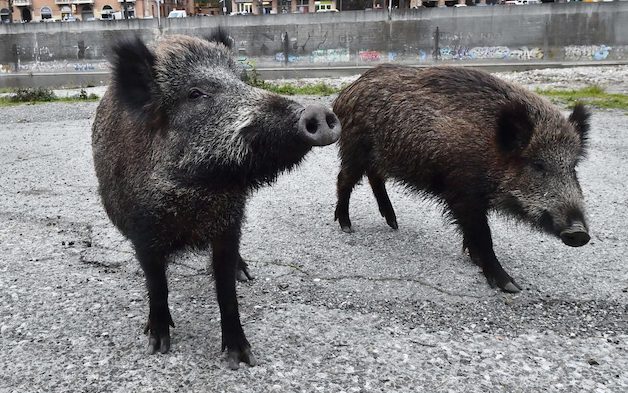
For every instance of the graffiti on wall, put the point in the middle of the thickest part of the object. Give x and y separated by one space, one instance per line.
461 52
587 52
281 58
62 66
337 55
525 53
369 55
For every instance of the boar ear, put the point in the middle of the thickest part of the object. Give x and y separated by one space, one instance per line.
220 36
133 75
579 118
514 127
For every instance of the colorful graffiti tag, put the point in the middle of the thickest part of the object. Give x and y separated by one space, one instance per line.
281 58
369 55
330 55
459 52
587 52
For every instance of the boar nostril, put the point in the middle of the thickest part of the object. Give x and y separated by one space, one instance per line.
311 125
331 120
576 235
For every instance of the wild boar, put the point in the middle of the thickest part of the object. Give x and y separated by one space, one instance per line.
473 142
179 141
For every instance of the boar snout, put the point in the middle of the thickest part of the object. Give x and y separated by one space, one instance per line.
319 126
576 235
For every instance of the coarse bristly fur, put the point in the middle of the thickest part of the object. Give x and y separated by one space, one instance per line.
179 141
471 140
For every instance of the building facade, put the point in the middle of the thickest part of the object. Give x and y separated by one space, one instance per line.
260 7
83 10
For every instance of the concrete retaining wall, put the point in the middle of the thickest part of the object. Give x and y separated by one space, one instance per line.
547 32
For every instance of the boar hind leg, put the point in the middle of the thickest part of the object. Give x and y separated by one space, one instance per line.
477 239
243 274
383 202
348 177
159 318
226 258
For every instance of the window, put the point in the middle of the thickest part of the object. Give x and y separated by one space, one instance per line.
323 5
46 13
267 7
245 8
87 13
285 6
107 13
5 15
303 6
130 11
66 12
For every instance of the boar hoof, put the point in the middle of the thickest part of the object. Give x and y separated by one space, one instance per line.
158 342
343 220
511 287
506 283
346 228
158 336
392 223
235 356
243 274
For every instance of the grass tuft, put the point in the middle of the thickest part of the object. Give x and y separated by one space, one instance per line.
593 95
319 89
39 95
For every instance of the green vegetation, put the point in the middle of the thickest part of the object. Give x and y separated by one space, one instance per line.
38 95
319 89
590 95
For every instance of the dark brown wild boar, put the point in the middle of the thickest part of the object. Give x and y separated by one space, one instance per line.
179 141
474 142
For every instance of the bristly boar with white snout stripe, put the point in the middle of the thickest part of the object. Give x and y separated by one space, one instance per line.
179 141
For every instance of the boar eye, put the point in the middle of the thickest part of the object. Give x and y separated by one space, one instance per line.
195 93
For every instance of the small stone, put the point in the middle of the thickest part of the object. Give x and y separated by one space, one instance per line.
593 362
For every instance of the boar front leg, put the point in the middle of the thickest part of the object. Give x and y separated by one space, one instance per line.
477 239
226 259
159 318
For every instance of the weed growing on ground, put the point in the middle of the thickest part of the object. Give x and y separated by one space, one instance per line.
319 89
593 95
40 94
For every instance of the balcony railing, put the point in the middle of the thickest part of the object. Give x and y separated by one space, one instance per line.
21 3
83 2
63 1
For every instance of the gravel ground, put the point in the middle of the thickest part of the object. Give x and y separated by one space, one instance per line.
372 311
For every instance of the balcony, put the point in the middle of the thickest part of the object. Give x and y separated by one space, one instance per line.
83 2
22 3
63 1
